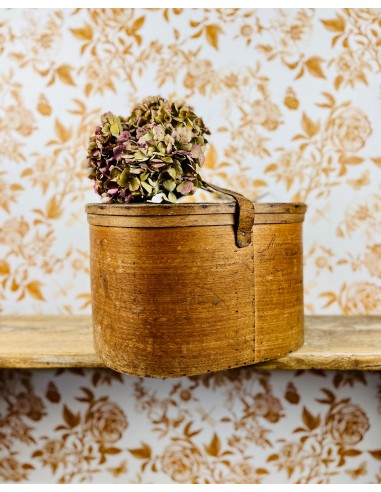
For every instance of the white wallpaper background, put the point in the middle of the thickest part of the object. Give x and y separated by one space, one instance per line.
293 101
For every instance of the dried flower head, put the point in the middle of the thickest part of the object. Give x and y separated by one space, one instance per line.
158 149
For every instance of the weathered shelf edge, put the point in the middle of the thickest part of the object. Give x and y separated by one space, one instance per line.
54 362
290 362
364 333
340 362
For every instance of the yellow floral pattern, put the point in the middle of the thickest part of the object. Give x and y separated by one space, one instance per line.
292 99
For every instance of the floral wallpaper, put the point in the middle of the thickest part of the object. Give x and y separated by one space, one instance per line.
293 100
238 426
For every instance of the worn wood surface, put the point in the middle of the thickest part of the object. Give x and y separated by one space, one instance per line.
191 220
244 214
169 304
331 342
181 294
191 208
278 267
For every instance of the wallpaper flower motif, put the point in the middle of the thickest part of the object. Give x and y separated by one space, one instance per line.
292 99
309 134
241 426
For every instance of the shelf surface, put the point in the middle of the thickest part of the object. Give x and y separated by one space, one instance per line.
331 342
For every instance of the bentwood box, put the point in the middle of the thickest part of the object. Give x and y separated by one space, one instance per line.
184 289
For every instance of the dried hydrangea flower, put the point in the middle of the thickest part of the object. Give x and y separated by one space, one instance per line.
158 149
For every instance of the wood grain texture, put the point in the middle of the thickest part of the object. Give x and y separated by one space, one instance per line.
331 342
244 214
171 303
47 341
190 208
191 220
278 265
176 294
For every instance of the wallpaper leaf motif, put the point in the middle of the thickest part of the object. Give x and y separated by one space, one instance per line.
291 97
231 427
308 135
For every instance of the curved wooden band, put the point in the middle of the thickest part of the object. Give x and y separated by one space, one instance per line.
245 214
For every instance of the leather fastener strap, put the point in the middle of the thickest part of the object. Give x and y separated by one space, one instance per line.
245 214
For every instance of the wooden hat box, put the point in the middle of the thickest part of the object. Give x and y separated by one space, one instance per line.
189 288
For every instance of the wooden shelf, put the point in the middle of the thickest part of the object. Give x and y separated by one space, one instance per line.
331 342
